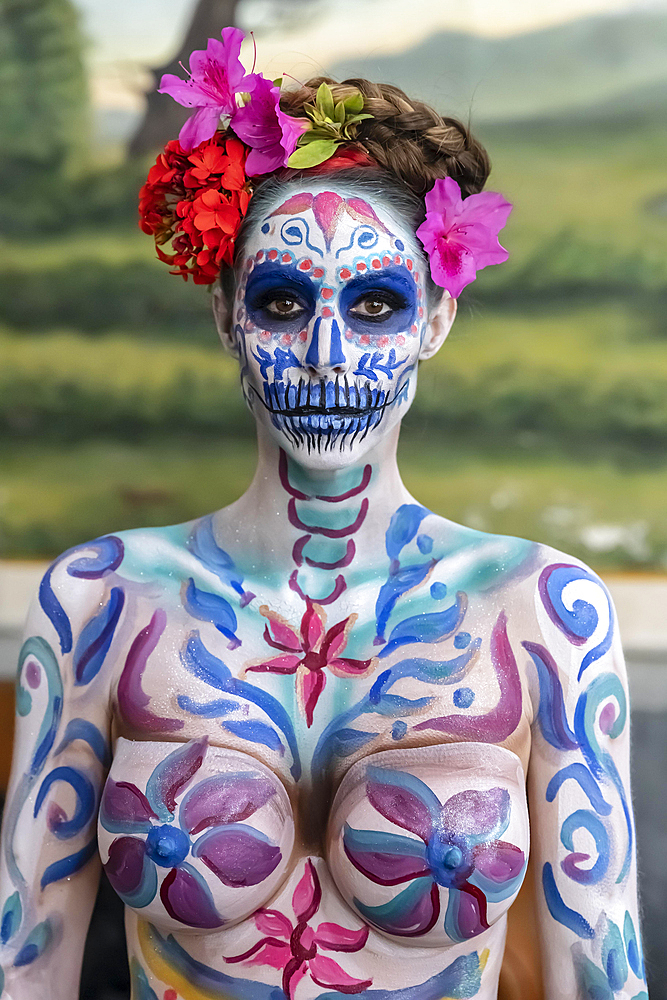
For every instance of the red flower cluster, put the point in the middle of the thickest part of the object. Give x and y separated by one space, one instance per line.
196 201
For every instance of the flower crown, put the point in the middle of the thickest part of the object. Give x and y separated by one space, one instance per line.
197 193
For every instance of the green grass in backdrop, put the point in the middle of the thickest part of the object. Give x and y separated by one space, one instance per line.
544 415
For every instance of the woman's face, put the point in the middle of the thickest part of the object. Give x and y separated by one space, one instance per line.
329 321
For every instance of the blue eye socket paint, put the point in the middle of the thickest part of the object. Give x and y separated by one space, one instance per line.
393 286
270 281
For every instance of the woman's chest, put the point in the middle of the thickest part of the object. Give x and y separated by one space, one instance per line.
310 688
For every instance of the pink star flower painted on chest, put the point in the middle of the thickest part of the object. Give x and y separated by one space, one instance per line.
308 652
295 948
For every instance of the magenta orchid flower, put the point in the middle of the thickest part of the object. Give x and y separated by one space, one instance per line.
295 948
271 134
216 77
308 652
460 235
458 849
236 853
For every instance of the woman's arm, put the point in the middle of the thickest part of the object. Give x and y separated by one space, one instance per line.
49 867
582 839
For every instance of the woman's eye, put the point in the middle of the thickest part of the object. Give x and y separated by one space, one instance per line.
371 308
284 307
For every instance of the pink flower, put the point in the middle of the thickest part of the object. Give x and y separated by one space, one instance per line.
461 236
295 948
271 134
216 77
308 652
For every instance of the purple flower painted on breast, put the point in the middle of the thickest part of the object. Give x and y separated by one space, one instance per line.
458 849
295 948
215 807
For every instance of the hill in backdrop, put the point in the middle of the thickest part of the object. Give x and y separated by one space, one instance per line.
603 68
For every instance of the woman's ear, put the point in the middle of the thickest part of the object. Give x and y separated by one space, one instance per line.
439 325
223 321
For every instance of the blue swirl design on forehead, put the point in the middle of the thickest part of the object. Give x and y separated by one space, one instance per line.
296 232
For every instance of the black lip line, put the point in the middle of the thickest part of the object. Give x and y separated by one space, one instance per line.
340 411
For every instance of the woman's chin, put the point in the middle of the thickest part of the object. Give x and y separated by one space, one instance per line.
328 444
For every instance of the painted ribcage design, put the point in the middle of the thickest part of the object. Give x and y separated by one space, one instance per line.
327 414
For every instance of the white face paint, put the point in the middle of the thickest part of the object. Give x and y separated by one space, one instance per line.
330 320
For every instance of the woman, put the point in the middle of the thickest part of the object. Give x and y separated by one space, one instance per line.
319 705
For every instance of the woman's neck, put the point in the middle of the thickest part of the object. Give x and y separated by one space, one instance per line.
316 528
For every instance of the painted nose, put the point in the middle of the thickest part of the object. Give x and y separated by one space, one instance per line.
325 350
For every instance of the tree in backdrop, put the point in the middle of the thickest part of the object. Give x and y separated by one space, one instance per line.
44 108
163 118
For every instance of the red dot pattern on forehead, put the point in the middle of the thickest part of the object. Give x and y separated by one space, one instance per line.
327 293
327 312
305 265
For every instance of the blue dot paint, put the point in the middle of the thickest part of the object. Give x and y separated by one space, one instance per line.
399 244
266 227
398 730
425 544
462 640
438 591
464 697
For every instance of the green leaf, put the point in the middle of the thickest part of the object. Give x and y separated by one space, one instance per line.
355 102
324 101
312 154
357 118
339 113
278 82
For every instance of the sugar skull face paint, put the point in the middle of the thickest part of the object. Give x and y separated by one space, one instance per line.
329 320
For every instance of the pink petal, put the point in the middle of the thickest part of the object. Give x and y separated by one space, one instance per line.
346 667
199 127
452 267
308 893
488 209
336 938
482 243
309 687
444 201
277 665
273 923
282 632
263 162
268 951
292 129
327 973
312 626
335 640
185 92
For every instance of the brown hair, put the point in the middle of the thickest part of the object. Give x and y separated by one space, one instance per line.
409 144
407 138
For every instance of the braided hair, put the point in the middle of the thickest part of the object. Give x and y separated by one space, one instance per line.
407 138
